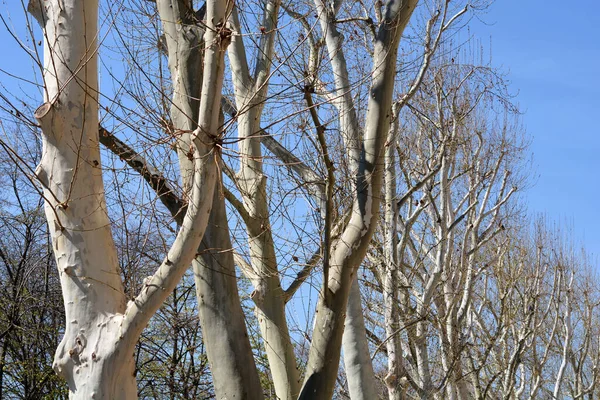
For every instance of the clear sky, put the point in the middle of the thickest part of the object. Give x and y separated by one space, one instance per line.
551 52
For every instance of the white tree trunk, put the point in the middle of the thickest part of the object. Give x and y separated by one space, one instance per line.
350 250
96 353
268 295
183 38
221 317
568 329
357 358
71 174
393 379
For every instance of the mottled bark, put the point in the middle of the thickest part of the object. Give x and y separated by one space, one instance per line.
96 353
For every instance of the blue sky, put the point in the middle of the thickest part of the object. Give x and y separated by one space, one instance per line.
552 55
551 52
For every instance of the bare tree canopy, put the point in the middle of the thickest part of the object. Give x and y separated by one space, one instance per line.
276 200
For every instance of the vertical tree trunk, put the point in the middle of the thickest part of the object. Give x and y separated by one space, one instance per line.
221 317
71 174
350 250
268 295
395 373
183 37
357 358
568 330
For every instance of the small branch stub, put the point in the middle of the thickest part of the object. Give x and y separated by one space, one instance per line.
42 111
36 9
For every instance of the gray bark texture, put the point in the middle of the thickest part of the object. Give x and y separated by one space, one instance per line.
357 358
350 250
221 317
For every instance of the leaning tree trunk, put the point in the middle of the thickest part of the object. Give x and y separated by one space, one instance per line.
268 295
357 358
95 355
222 321
349 251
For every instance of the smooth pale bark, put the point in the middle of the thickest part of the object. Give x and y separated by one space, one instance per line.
75 208
268 295
342 99
390 278
350 250
96 353
224 331
223 326
357 358
183 37
568 329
